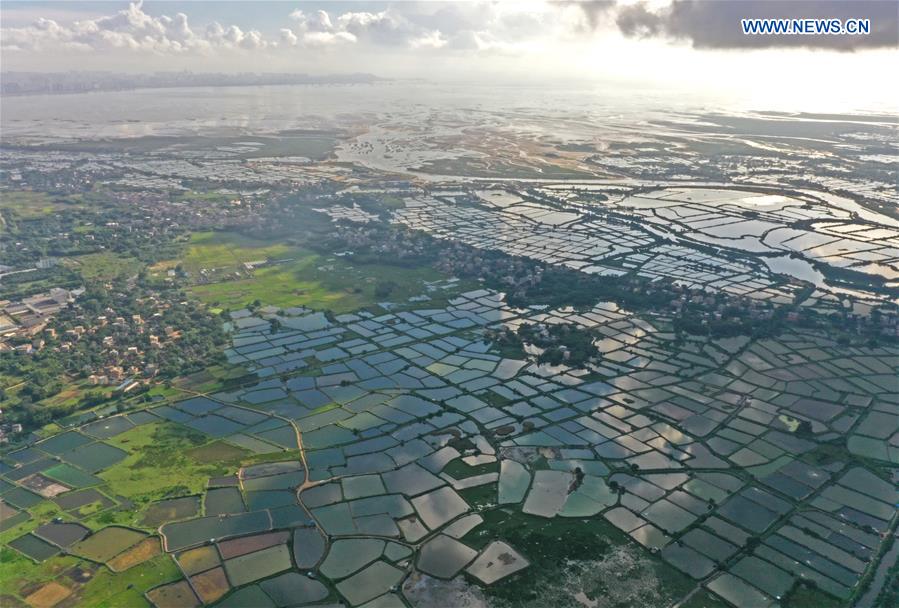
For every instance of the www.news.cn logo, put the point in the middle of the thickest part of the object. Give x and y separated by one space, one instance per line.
806 27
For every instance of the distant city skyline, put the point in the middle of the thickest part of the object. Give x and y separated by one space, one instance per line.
694 45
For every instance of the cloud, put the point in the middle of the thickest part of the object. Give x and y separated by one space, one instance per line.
315 29
232 37
430 40
454 27
710 24
129 29
388 28
595 12
317 21
288 38
496 27
458 28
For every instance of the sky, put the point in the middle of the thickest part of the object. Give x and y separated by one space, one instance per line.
684 44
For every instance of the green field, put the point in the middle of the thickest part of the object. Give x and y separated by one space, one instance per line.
157 464
104 266
304 278
207 380
227 250
27 205
103 588
17 571
127 588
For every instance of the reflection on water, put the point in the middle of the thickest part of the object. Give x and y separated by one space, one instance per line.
796 267
229 110
803 270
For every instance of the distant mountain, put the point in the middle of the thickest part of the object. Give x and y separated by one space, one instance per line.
31 83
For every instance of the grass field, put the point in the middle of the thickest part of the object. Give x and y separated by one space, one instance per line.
17 571
217 250
157 464
207 380
315 282
125 589
303 278
104 266
27 205
166 460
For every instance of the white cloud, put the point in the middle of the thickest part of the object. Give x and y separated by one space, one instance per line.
317 21
387 28
315 29
455 27
288 38
425 39
323 39
130 29
430 40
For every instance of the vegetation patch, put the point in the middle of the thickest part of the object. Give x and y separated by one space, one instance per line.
157 466
175 595
806 596
48 596
106 588
29 205
211 585
138 554
217 452
107 543
228 270
104 266
172 509
575 558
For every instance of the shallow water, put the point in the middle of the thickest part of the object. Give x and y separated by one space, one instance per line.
257 110
784 264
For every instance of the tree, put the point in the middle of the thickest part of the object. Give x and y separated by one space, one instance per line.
383 289
804 429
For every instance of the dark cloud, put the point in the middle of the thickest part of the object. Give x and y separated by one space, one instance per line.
715 24
595 11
